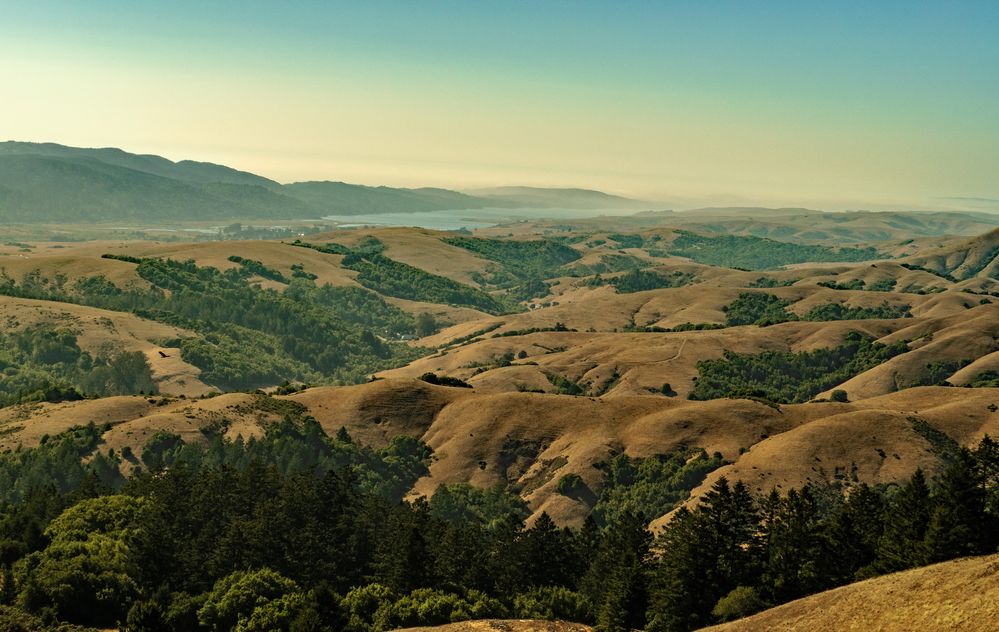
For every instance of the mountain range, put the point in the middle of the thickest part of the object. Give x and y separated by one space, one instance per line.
47 182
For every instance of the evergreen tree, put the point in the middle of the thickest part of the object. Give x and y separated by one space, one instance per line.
615 581
853 534
958 524
705 554
902 545
796 552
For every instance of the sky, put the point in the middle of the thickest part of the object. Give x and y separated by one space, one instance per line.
828 104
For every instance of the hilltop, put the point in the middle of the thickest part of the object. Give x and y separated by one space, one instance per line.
956 595
47 182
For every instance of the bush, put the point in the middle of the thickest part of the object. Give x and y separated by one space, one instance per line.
839 395
553 602
444 380
234 599
741 602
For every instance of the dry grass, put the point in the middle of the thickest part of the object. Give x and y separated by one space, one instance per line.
504 625
957 595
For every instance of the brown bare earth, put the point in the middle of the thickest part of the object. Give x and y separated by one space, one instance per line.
504 625
957 595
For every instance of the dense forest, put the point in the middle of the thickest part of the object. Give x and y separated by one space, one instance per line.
45 363
642 280
393 278
757 253
786 377
299 530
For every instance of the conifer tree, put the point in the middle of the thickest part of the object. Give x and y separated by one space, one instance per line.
902 545
958 524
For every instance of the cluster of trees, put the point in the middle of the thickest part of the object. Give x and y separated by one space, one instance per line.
642 280
302 531
253 266
521 267
734 554
45 363
985 379
758 253
632 240
839 311
248 336
650 487
393 278
757 308
788 377
883 285
523 259
770 282
609 263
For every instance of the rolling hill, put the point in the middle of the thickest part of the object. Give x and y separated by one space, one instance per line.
47 182
956 595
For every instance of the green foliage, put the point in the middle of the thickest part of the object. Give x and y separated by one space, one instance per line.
563 385
936 373
943 275
57 463
741 602
852 284
643 280
552 603
462 503
87 572
770 282
249 337
426 325
45 363
788 377
569 485
757 308
426 607
15 620
839 395
757 253
256 267
839 311
444 380
523 259
240 601
242 545
650 487
985 379
392 278
627 241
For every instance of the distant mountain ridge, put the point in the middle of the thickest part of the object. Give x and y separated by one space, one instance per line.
48 182
551 198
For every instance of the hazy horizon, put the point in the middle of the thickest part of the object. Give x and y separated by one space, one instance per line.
777 104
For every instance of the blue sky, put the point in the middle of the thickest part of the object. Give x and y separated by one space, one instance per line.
831 103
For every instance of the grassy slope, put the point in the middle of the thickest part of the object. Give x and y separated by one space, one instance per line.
956 595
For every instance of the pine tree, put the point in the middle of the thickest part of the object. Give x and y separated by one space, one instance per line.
796 554
902 545
615 581
958 522
706 553
854 532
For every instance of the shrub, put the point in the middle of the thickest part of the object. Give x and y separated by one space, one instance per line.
741 602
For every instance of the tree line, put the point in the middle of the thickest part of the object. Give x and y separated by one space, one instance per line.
299 530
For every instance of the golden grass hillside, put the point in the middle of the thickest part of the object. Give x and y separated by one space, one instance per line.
531 440
957 595
504 625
